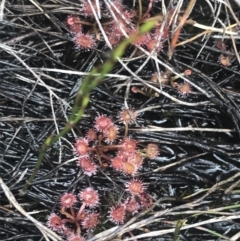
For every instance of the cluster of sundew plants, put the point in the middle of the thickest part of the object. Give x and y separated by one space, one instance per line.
164 78
116 22
104 147
225 59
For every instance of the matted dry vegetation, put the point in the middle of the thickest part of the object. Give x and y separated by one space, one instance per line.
193 116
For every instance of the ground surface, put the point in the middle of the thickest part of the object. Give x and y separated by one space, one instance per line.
195 177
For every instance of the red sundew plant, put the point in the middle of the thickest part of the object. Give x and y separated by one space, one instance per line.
117 214
106 145
103 145
142 39
87 9
88 167
55 222
91 135
90 221
225 60
153 44
220 45
135 187
136 158
74 24
145 200
152 150
129 168
122 155
104 140
103 123
84 41
89 197
82 218
184 89
132 206
82 146
111 134
117 163
68 199
117 7
127 116
116 20
129 146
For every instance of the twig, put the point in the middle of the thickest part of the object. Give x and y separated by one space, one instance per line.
155 128
182 22
2 9
171 230
46 231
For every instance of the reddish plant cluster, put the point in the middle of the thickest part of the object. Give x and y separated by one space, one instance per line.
101 148
102 145
117 21
136 200
164 78
72 219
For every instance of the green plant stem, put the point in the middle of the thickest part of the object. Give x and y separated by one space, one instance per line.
83 96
